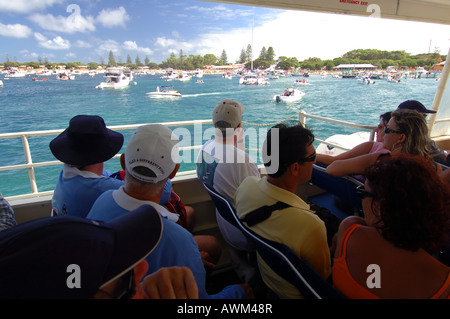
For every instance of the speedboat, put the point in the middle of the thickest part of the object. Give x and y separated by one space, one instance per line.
289 95
165 91
64 76
116 78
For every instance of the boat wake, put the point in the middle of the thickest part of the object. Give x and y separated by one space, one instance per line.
205 94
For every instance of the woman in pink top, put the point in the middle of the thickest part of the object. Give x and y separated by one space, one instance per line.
406 132
388 253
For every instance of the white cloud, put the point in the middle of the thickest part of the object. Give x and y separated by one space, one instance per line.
57 43
104 46
221 12
327 36
26 6
110 18
72 23
82 44
132 46
164 42
15 30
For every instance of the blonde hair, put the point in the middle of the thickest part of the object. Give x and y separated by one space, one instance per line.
414 126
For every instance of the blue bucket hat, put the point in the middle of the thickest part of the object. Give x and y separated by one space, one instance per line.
38 258
86 141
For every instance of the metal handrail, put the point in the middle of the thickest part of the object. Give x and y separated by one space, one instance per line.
30 165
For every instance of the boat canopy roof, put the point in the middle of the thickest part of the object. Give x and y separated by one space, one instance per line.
355 66
434 11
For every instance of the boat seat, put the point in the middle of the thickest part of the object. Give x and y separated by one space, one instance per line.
279 257
342 188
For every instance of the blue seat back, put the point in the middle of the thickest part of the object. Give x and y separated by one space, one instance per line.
342 187
279 257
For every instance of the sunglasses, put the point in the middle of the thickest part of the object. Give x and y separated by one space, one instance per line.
310 158
362 193
387 130
128 287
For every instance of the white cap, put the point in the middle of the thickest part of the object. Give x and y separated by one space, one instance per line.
152 153
228 111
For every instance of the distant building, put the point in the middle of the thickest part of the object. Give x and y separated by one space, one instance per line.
438 66
351 70
355 67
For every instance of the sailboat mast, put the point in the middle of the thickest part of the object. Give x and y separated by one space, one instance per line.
251 58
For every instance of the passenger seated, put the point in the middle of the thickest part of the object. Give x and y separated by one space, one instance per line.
296 226
363 148
388 253
223 164
85 260
407 132
83 148
437 154
150 159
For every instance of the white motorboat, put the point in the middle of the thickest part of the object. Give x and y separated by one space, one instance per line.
116 78
184 76
289 95
198 73
165 91
65 76
253 79
16 74
1 83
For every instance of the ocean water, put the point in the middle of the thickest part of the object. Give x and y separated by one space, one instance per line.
27 105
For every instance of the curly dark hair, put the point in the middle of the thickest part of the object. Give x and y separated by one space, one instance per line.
413 201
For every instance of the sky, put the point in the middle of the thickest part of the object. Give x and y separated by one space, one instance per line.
86 30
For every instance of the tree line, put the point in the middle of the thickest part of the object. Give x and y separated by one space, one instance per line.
266 58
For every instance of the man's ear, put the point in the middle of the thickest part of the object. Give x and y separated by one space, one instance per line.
175 170
294 168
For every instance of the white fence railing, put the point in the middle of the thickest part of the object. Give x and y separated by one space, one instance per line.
30 165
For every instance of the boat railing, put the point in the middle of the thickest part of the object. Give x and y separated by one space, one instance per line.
30 165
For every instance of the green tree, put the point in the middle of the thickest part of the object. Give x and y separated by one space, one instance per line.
209 59
129 59
249 53
146 60
242 56
138 61
111 60
270 55
263 54
224 57
92 65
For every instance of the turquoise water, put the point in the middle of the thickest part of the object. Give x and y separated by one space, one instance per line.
44 105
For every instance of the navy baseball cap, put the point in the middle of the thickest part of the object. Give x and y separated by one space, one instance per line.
70 257
414 105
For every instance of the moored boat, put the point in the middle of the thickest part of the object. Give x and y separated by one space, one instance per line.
116 78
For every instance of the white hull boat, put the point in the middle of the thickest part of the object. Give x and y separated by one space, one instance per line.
116 79
289 96
164 92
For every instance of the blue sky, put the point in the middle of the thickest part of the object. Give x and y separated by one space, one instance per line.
85 30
